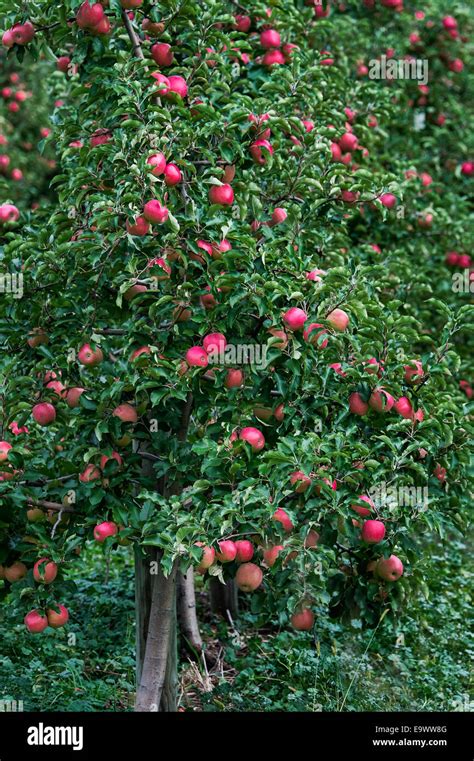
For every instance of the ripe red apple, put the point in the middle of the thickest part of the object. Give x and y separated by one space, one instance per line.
242 23
312 539
244 550
348 142
104 530
294 318
302 481
126 413
162 54
389 569
4 449
139 227
45 571
388 200
89 16
273 57
449 22
214 342
404 408
207 559
73 395
270 39
357 405
173 175
227 551
248 577
283 342
114 456
196 356
380 400
373 531
338 319
55 619
35 622
234 379
177 85
162 83
44 413
440 473
281 516
414 372
90 357
221 194
303 621
279 215
133 291
260 151
270 554
155 213
15 571
316 335
254 437
158 162
90 473
363 511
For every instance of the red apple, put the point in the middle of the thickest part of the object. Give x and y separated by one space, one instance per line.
162 54
173 175
55 619
227 551
244 550
338 319
45 571
357 405
380 400
294 318
155 213
196 356
302 481
90 357
270 555
214 342
44 413
158 162
4 449
303 621
126 413
414 372
90 473
104 530
254 437
207 559
35 622
373 531
363 511
281 516
248 577
389 569
15 571
404 408
221 194
234 379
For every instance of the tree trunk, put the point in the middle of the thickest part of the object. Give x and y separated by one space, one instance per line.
224 598
158 673
188 623
143 589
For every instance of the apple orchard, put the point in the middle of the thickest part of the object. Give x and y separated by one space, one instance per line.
186 182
